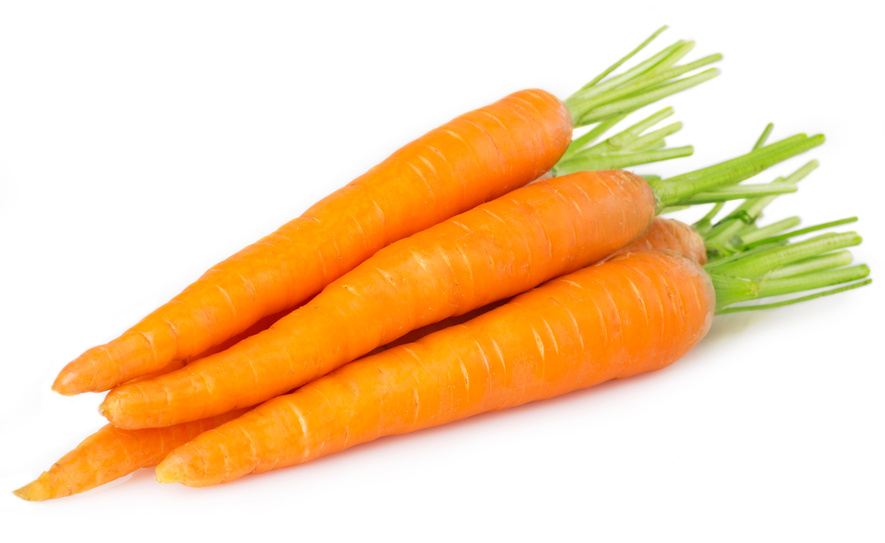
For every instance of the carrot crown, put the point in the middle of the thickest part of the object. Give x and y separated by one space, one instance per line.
768 266
609 99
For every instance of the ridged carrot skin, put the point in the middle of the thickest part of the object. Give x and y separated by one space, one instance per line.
469 160
111 453
673 235
664 234
635 313
494 251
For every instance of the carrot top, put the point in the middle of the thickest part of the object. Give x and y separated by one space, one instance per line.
773 267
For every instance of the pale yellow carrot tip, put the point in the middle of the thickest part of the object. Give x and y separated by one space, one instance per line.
168 472
35 491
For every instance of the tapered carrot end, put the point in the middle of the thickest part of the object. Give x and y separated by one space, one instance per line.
34 491
170 470
67 383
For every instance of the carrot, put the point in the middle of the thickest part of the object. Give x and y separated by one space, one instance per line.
111 453
494 251
471 159
664 234
635 313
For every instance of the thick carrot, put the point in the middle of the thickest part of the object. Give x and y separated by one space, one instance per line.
635 313
494 251
111 453
664 234
474 158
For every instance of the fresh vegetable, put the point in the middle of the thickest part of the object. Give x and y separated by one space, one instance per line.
635 313
494 251
111 453
135 449
474 158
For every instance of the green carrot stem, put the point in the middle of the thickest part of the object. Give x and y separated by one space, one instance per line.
764 137
706 221
633 132
718 259
642 69
769 260
630 139
615 160
591 136
673 209
736 309
632 103
747 228
656 137
811 281
646 82
677 189
750 210
799 232
621 79
814 264
738 192
754 234
624 59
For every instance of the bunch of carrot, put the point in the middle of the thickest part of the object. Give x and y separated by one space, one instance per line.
445 283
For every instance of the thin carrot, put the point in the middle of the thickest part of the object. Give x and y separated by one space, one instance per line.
111 453
474 158
635 313
494 251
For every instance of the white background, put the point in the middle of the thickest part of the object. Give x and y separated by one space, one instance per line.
141 142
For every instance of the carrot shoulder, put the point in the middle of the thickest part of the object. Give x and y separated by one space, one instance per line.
633 314
473 158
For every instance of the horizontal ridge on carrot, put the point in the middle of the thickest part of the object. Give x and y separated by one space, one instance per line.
635 313
469 160
494 251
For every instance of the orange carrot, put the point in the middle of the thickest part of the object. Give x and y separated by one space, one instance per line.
635 313
474 158
665 234
491 252
111 453
568 334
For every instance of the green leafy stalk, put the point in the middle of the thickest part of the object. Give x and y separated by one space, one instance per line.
616 160
750 233
764 137
739 192
813 264
736 309
718 237
624 59
779 269
794 233
676 190
758 264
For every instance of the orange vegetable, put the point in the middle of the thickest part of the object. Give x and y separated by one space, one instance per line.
476 157
111 453
633 314
494 251
668 234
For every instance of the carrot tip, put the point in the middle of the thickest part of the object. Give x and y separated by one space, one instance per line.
32 492
165 475
65 384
